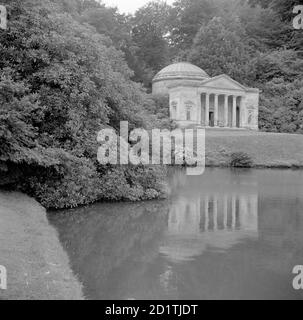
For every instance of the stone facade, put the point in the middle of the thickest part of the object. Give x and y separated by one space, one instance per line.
198 100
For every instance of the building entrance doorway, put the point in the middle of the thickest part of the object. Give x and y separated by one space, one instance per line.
211 119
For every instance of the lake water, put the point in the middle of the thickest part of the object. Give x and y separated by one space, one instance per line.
228 234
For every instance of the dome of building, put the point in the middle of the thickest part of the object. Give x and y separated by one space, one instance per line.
181 70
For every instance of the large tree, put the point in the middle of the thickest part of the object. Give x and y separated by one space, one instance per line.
218 48
286 35
61 83
149 33
187 16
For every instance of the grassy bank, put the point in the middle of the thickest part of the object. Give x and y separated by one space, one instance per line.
36 264
266 149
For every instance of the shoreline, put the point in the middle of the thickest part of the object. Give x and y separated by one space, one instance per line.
37 266
259 166
266 150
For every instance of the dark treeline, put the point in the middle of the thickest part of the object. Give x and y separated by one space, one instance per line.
72 67
253 41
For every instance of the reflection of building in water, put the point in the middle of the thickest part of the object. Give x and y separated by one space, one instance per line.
218 221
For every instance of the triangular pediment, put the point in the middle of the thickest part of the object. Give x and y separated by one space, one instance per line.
223 82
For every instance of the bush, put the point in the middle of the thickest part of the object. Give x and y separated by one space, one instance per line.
61 83
81 184
241 160
75 184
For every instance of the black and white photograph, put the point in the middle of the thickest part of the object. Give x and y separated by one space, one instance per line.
151 153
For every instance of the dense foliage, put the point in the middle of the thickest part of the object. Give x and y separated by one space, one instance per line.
240 160
62 82
253 41
69 68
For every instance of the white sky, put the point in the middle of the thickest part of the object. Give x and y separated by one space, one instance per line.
128 6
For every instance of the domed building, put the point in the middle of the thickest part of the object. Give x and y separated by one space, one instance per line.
196 99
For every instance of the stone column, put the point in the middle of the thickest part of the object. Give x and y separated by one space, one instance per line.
215 217
226 110
206 209
234 123
233 212
225 212
243 116
199 107
216 114
206 109
242 210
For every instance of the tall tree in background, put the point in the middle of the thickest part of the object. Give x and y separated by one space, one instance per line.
262 26
283 7
149 31
109 22
279 75
187 16
287 36
116 27
219 49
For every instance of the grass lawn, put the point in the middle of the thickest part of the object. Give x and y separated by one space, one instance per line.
36 264
266 149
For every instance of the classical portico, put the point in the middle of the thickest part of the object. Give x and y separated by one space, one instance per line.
198 100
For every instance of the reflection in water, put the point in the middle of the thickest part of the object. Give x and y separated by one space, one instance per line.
224 235
218 221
